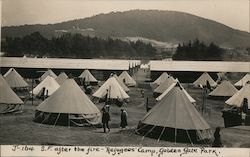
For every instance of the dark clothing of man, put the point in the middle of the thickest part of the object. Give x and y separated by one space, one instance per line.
124 122
105 120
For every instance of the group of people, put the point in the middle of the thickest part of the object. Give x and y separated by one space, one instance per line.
106 118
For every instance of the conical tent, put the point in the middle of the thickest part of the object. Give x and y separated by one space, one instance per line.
171 87
125 88
237 99
49 83
112 88
161 78
129 81
8 96
70 99
61 78
225 89
176 112
165 84
15 80
48 73
243 81
88 76
202 80
10 69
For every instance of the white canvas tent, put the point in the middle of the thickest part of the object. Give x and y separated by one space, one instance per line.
61 78
15 80
165 84
161 78
87 76
125 88
8 97
129 81
48 73
225 89
243 81
173 115
70 100
113 89
192 100
202 80
49 83
10 69
237 99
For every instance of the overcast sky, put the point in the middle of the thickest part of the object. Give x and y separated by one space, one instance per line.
233 13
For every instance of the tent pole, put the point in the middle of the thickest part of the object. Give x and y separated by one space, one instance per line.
189 138
56 119
161 134
148 132
32 81
175 134
68 122
45 119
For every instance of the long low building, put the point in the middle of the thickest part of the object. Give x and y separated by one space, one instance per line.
62 63
200 66
100 68
189 71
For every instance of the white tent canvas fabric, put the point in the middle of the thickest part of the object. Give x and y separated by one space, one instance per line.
161 78
7 95
129 81
115 91
10 69
165 84
243 81
15 80
61 78
202 80
70 99
224 89
237 99
88 76
48 73
49 83
125 88
192 100
176 111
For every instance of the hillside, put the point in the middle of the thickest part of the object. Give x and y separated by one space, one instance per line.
165 26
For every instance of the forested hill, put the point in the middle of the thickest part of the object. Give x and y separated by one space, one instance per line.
166 26
76 46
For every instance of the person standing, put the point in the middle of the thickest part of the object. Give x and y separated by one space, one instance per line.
105 120
217 140
124 116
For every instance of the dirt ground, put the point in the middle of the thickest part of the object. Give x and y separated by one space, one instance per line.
20 129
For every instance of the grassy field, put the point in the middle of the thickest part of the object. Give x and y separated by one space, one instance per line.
20 129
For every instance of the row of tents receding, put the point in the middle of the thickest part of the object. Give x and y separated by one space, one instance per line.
181 120
66 103
221 89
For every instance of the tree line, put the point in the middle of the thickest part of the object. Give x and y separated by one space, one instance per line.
198 51
76 46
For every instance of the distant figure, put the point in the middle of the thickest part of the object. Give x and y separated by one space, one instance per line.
208 86
217 140
124 81
106 97
124 116
147 108
245 105
105 120
142 93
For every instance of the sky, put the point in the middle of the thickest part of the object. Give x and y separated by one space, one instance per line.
233 13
